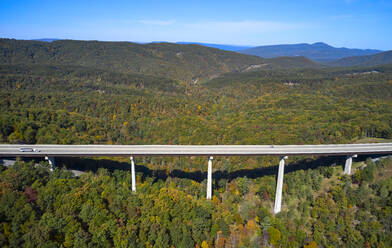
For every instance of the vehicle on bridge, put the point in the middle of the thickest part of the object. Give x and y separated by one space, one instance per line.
29 149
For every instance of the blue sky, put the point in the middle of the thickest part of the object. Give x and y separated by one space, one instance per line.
341 23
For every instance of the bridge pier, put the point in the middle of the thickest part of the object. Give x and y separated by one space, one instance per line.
209 178
133 176
279 186
51 162
347 166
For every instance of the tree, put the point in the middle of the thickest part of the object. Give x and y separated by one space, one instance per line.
274 235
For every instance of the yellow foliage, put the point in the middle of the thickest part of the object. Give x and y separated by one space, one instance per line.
194 183
204 244
312 244
251 225
215 200
125 123
257 219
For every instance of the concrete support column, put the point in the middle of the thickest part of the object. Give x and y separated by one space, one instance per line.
349 161
279 186
133 176
51 162
209 178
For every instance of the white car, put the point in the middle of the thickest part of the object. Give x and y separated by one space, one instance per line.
26 149
29 149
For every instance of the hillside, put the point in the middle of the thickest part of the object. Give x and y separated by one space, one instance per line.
319 51
319 106
182 62
292 62
370 60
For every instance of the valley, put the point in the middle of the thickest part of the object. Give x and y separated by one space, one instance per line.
91 92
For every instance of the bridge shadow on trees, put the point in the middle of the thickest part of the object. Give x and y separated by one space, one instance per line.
88 164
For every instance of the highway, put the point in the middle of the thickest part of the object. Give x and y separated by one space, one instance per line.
11 150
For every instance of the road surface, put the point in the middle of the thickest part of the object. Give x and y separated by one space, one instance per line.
8 150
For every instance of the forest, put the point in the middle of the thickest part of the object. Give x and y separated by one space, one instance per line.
48 98
322 208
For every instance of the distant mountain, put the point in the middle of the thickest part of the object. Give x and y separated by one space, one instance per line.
46 39
319 51
232 48
286 62
370 60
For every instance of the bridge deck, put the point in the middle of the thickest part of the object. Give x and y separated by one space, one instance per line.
8 150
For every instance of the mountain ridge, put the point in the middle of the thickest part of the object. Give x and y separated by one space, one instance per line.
369 60
318 52
180 62
184 62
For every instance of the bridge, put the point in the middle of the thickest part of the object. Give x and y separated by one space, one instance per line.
51 151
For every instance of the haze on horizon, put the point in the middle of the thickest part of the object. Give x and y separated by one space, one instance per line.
340 23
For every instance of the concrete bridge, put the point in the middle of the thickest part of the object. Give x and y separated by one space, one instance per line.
51 151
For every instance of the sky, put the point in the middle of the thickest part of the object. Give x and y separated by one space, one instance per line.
340 23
